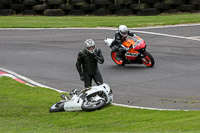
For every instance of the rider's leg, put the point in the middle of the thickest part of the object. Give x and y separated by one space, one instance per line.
123 55
88 81
98 78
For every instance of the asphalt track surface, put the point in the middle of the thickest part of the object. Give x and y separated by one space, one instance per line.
48 56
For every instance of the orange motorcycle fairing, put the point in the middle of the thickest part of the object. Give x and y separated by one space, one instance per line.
136 53
132 54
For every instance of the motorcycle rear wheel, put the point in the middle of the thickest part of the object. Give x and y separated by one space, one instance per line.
57 107
91 106
116 59
148 60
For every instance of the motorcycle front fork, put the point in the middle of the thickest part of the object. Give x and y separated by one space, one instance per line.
142 55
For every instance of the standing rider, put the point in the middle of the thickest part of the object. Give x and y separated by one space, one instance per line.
87 64
119 38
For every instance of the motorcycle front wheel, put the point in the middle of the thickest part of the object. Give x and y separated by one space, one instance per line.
91 106
116 59
148 60
57 107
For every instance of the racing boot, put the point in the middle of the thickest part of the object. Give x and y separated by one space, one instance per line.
123 58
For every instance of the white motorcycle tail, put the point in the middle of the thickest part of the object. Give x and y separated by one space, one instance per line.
108 41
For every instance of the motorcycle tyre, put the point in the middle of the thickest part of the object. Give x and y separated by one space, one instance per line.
148 55
99 106
60 107
120 62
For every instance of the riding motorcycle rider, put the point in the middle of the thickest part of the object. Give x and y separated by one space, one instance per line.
87 64
120 36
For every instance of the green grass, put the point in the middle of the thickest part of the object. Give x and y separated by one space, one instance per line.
96 21
25 109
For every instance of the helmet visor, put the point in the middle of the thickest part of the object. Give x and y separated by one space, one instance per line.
124 33
91 48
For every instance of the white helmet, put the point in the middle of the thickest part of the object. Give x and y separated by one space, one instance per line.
89 43
123 30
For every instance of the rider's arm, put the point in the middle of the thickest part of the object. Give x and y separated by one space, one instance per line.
116 40
124 48
99 56
130 33
79 63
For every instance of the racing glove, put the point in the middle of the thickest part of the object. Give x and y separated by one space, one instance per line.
125 48
97 58
82 77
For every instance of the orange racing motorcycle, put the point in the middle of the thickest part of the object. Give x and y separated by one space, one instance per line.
136 52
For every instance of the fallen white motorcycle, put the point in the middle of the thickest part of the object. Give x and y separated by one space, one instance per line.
88 99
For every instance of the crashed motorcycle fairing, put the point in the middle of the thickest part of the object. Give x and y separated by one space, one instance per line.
94 98
136 54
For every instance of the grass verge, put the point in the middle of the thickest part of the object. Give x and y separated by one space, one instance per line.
96 21
24 109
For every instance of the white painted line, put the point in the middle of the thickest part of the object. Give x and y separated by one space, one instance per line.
145 32
13 74
111 28
29 80
169 26
167 35
81 28
137 107
30 85
103 28
195 37
9 75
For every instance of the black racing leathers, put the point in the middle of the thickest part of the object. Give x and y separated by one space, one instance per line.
87 66
117 43
119 39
